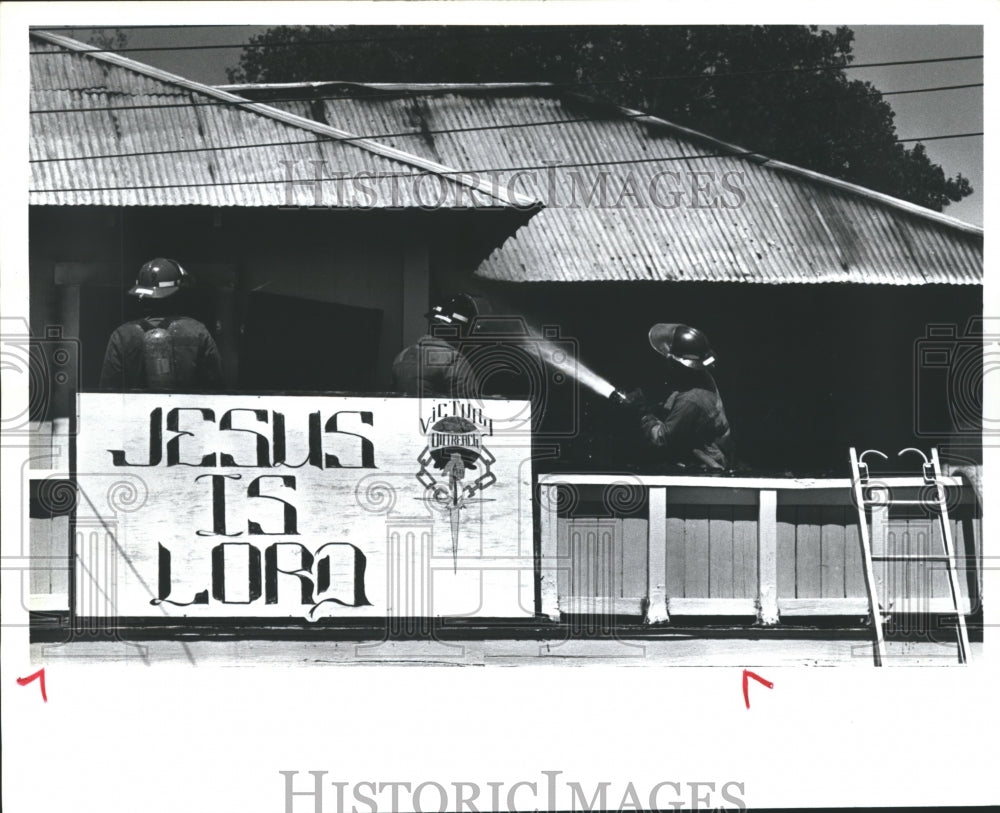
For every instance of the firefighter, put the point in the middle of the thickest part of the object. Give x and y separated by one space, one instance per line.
433 367
163 351
688 424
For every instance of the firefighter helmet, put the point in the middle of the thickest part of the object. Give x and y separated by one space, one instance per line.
459 309
683 344
159 279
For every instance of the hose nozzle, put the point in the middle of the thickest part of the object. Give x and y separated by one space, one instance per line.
635 399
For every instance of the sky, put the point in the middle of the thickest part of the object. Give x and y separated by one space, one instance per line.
927 114
917 115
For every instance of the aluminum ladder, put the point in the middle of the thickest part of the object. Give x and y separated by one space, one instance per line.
860 481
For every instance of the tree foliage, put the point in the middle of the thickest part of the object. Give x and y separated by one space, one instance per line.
778 90
108 39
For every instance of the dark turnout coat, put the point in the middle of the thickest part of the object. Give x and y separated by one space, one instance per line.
432 368
689 424
196 364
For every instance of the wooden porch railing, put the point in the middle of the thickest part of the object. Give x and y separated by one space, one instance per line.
767 548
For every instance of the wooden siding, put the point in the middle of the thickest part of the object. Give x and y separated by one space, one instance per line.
819 555
605 558
819 552
912 586
711 553
708 559
49 573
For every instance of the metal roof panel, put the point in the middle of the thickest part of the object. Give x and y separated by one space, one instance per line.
793 225
106 130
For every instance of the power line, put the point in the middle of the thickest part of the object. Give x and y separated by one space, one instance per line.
411 175
378 95
454 33
505 32
165 26
375 136
318 138
938 137
931 90
466 172
733 74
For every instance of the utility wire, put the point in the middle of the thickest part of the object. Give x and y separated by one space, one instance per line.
421 173
513 31
938 137
461 172
931 90
377 95
319 138
734 74
455 33
166 26
376 136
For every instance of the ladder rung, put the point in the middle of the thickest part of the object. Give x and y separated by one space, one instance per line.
910 557
862 491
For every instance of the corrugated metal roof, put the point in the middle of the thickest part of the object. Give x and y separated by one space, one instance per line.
149 138
755 220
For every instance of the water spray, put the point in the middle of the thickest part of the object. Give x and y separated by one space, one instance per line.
557 358
580 372
555 355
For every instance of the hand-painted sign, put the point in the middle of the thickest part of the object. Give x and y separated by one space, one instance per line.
300 507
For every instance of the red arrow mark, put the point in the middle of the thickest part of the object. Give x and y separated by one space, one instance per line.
40 675
746 689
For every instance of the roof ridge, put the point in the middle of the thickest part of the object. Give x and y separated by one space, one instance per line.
638 115
499 193
458 86
794 169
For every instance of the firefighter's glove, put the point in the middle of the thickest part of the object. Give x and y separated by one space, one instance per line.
634 401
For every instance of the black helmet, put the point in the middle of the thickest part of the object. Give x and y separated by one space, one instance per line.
159 279
683 344
459 309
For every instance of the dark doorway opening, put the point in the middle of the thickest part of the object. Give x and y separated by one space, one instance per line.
293 344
